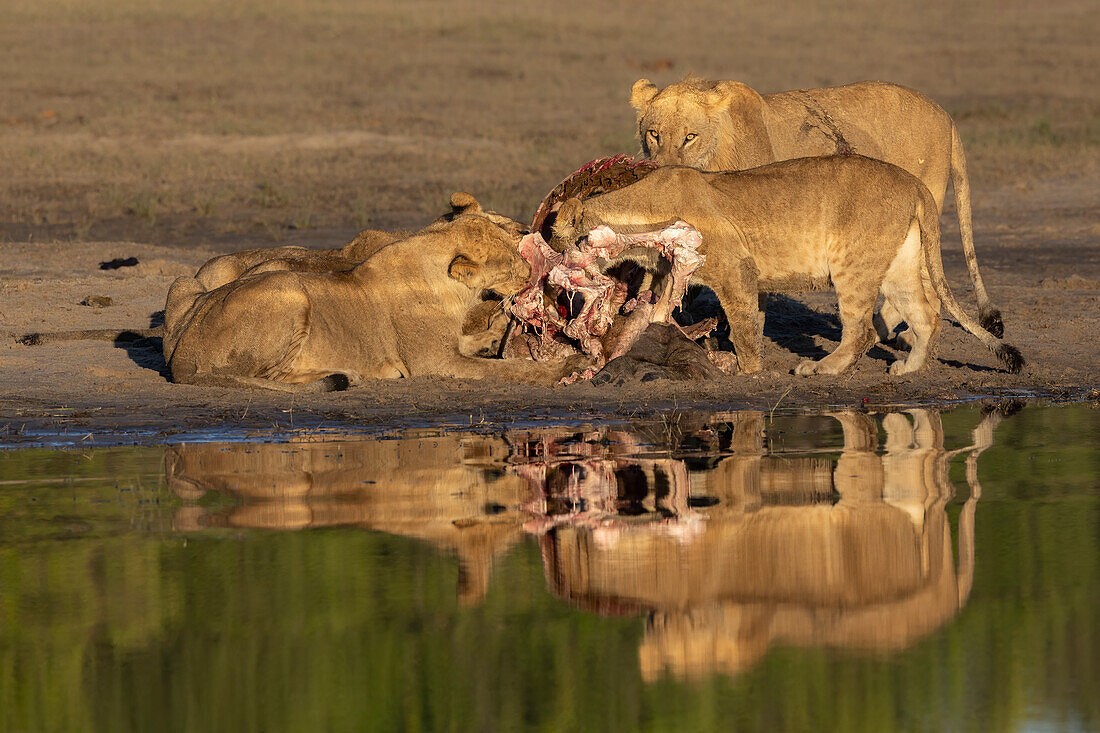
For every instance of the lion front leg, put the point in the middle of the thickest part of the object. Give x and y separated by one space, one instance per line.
739 296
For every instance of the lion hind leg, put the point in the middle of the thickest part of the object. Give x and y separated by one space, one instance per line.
256 330
908 288
924 326
283 367
182 295
857 335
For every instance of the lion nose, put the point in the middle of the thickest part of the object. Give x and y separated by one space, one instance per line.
667 157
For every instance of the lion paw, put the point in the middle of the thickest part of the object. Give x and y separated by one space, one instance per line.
806 368
902 366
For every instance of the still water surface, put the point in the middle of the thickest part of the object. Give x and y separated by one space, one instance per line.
905 571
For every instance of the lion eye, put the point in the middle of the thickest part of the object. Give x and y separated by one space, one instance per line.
690 136
653 134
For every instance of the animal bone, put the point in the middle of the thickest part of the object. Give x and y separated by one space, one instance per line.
575 272
678 243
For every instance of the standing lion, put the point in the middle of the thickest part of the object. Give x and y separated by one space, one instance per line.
726 125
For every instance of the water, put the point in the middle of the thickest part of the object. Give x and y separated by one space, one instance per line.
739 571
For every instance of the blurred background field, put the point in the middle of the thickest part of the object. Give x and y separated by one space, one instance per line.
197 122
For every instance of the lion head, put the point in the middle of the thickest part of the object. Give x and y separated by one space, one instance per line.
703 124
485 257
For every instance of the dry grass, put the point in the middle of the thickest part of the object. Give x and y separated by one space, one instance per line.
196 120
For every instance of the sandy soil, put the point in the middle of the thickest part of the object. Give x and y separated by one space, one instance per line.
146 133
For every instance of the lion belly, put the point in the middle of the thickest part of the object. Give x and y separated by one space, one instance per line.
798 267
349 331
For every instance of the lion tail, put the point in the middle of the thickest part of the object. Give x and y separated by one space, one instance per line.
928 219
335 382
988 314
95 334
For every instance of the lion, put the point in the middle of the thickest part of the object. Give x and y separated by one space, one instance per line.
727 125
858 224
447 491
398 314
773 560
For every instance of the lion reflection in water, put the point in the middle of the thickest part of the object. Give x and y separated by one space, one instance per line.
727 553
794 551
445 490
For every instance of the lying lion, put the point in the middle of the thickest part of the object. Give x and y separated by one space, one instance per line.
726 125
859 224
399 314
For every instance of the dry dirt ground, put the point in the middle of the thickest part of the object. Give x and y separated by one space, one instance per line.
173 131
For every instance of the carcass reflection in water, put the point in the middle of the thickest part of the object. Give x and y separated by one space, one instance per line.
728 548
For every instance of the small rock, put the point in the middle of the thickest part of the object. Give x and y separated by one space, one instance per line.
97 301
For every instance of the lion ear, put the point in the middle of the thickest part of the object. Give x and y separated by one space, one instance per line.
463 269
567 220
725 92
642 93
464 203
